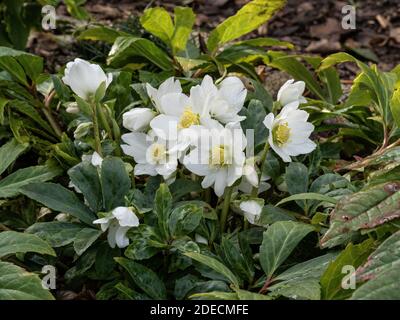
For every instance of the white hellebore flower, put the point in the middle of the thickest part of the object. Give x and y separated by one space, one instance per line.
219 157
252 210
221 103
95 159
169 86
138 119
84 78
153 155
292 92
118 223
289 132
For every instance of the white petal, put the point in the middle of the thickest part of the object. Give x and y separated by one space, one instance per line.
145 169
233 91
137 119
136 146
125 217
252 210
97 160
165 126
173 104
220 182
121 239
269 120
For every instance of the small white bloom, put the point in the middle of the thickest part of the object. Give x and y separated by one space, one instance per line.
118 224
153 155
292 92
289 132
82 130
250 172
169 86
72 107
220 103
200 239
252 210
138 119
84 78
96 160
218 156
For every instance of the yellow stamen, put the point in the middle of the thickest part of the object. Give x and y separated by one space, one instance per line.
281 134
158 152
218 156
188 118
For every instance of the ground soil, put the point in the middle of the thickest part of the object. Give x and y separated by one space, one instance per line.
314 26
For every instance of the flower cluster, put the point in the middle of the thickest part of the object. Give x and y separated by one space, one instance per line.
202 132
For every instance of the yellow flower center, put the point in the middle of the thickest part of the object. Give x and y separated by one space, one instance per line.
281 134
188 118
158 152
218 156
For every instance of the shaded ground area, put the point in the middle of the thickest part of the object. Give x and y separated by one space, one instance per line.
314 26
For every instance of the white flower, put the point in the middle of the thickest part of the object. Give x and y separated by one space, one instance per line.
181 116
252 210
221 103
95 159
138 119
200 239
289 132
152 155
85 78
250 172
118 223
72 107
169 86
292 92
218 156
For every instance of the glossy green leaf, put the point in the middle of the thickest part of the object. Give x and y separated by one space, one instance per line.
18 284
12 242
145 278
115 183
56 233
11 185
85 177
158 22
248 18
331 280
9 152
184 19
215 265
127 49
85 238
279 241
365 209
58 198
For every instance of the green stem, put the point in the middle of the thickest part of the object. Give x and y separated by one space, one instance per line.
49 116
97 142
225 208
254 192
103 120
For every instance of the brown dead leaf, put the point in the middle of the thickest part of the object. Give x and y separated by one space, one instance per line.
395 34
324 46
330 29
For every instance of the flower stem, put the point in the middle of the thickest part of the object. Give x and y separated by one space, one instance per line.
47 112
225 208
103 120
97 142
264 154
